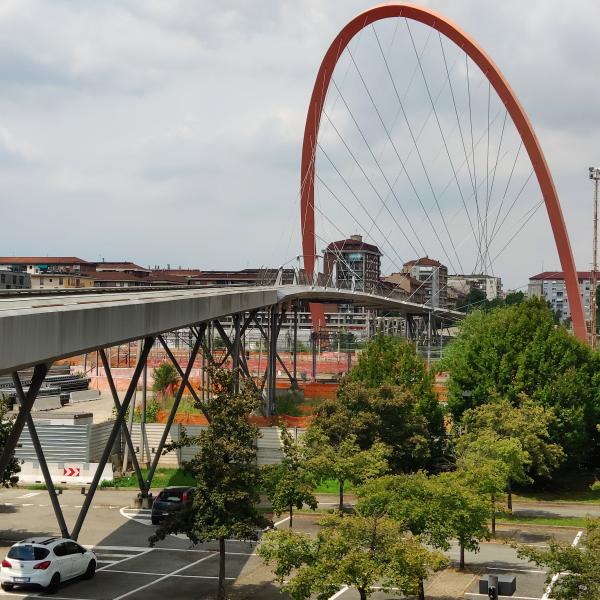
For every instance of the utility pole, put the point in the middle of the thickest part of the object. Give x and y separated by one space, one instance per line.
595 177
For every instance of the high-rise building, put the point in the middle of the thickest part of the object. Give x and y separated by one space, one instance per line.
353 264
550 285
434 276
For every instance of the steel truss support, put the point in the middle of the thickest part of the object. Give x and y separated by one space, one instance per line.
125 428
275 321
266 336
234 347
295 354
184 383
41 458
146 347
39 374
199 340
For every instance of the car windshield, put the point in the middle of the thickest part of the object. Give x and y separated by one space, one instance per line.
28 553
171 496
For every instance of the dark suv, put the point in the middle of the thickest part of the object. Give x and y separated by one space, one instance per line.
170 499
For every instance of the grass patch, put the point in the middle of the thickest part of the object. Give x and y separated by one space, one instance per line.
564 487
332 486
507 518
40 486
163 477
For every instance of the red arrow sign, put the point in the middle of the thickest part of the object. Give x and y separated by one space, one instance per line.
71 472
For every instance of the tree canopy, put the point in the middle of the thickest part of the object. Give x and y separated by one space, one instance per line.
438 508
346 461
9 477
226 496
518 350
291 482
165 378
394 361
579 566
386 413
357 551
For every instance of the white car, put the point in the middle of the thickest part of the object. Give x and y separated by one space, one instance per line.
46 562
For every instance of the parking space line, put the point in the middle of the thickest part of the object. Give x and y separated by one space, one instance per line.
280 522
557 575
339 592
475 595
164 574
147 585
516 570
124 559
30 495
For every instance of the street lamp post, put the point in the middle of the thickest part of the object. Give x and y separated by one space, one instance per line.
595 177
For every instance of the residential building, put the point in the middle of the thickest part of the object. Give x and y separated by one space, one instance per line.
353 264
47 264
14 280
122 267
53 281
406 287
490 285
550 285
434 277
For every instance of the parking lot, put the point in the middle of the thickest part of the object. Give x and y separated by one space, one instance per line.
128 568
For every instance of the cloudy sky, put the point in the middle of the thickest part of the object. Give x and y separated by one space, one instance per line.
169 131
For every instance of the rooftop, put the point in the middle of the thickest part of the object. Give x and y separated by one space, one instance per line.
545 275
120 266
42 260
425 261
353 243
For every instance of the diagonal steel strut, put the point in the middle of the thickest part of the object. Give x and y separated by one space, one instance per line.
199 339
124 429
41 458
39 373
169 423
113 436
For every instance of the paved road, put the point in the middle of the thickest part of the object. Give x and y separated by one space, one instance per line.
129 569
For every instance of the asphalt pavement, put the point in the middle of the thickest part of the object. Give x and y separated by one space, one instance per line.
128 568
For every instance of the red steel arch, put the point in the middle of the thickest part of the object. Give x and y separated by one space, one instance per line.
500 84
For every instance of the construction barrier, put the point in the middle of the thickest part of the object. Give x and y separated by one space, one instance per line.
69 473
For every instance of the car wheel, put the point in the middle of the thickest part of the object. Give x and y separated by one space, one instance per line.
7 587
54 583
91 570
154 521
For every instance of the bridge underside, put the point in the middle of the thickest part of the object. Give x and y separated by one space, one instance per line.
38 330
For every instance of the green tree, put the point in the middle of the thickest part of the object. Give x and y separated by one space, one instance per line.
437 508
165 377
579 566
290 483
9 477
529 424
514 298
345 461
517 350
224 503
394 361
465 510
386 413
476 299
356 551
489 463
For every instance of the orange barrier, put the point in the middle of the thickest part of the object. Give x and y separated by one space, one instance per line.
199 419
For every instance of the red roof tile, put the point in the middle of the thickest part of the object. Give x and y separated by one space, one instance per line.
559 275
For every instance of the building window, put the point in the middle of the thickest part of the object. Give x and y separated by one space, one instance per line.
60 281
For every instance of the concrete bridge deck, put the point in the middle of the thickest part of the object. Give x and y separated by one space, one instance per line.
42 328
